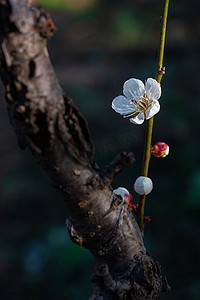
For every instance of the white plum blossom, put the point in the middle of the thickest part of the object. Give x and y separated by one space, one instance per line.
140 101
143 185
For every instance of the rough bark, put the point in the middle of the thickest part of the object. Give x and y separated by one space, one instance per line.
47 121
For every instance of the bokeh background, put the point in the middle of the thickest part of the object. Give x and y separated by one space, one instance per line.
97 46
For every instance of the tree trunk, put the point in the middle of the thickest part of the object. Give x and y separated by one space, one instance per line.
48 123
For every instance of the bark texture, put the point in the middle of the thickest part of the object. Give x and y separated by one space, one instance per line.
47 121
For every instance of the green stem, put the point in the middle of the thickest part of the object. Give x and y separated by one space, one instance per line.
149 128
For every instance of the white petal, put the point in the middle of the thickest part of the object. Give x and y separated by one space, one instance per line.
153 109
153 89
121 191
143 185
133 88
122 105
139 119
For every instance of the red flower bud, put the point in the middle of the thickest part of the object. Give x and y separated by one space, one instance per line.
160 149
134 208
147 219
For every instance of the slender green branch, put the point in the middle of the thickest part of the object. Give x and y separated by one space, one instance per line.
149 128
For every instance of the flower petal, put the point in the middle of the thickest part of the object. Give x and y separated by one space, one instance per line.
153 109
121 191
153 89
122 105
139 119
133 88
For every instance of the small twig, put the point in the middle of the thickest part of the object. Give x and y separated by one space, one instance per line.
116 166
160 71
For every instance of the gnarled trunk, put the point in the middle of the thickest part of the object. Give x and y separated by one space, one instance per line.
48 123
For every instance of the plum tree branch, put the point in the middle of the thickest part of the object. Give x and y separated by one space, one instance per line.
116 166
47 121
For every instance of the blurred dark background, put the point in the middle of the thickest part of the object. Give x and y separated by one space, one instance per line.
98 45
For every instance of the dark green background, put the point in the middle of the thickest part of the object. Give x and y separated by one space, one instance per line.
94 51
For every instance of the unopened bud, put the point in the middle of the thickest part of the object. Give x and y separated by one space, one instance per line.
134 208
160 149
126 196
121 191
147 219
143 185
